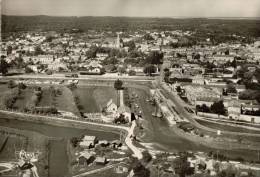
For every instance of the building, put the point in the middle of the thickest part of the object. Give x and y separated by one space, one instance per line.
88 142
111 107
86 158
101 160
195 92
234 109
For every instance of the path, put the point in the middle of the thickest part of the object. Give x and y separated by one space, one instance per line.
8 166
98 170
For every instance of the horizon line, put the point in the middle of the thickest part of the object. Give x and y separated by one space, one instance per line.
176 17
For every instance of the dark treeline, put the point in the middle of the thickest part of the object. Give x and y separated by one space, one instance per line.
245 27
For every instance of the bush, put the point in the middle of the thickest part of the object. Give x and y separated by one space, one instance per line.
21 86
131 73
10 98
11 84
28 70
49 72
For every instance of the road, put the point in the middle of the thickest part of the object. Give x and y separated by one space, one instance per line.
179 107
97 170
81 77
9 166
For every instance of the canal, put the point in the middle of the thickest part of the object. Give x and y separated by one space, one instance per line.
160 136
58 160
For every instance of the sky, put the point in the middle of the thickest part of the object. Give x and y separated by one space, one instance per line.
138 8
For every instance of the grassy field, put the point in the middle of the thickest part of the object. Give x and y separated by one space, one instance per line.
47 98
227 127
93 99
24 98
3 88
12 144
65 102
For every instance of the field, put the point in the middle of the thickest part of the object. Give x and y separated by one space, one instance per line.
47 98
65 102
93 99
226 127
23 99
12 144
3 88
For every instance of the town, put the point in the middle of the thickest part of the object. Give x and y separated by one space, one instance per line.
129 102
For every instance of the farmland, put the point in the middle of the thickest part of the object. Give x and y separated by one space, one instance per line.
93 99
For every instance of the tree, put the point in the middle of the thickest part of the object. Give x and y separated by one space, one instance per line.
197 56
38 51
248 76
140 170
118 85
28 70
3 66
178 89
148 37
9 49
218 108
234 63
11 84
131 73
147 157
74 141
121 70
226 52
231 88
130 44
149 69
181 165
166 74
92 52
48 72
257 74
22 86
155 57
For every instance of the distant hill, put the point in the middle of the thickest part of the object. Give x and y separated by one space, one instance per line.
248 27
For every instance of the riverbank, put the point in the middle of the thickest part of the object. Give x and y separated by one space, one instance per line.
61 122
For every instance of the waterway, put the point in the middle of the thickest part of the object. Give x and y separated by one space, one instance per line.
161 136
58 160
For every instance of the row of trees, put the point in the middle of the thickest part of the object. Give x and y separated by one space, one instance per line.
216 108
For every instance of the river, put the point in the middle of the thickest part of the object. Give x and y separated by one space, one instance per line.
58 160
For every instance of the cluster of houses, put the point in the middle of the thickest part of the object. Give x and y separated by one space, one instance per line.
201 90
88 155
200 163
203 75
60 52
